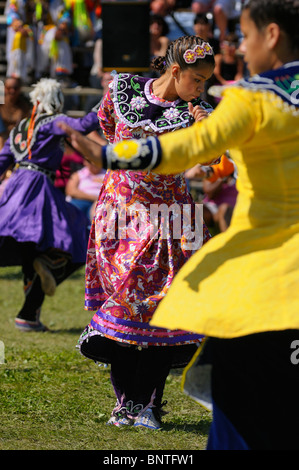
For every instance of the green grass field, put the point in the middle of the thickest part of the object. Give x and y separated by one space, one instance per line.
51 398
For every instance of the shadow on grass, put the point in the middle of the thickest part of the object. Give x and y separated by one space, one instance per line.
70 331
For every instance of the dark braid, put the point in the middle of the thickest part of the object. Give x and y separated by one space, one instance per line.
285 13
158 63
175 52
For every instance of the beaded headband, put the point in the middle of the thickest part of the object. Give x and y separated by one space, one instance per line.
198 52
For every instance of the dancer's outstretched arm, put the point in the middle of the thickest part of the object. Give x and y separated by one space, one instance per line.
88 148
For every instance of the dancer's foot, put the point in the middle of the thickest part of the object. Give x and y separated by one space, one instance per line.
26 325
47 279
119 416
147 420
120 421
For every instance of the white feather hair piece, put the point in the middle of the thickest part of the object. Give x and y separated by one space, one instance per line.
47 96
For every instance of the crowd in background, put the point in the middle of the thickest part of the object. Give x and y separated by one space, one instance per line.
62 39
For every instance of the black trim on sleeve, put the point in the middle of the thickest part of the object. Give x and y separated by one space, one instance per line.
146 157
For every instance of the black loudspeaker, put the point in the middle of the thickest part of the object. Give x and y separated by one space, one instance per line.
126 36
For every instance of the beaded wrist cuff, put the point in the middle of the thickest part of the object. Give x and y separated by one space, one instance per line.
142 154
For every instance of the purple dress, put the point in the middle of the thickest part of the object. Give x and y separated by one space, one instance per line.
31 208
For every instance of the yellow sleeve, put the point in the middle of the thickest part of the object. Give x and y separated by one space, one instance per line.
229 126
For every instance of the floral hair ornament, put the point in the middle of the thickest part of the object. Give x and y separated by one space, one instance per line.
198 52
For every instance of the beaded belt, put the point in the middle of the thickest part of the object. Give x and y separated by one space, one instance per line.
33 167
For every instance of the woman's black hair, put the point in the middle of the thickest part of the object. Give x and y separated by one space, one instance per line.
285 13
175 53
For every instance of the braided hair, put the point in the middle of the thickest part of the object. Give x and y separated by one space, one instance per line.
175 51
285 13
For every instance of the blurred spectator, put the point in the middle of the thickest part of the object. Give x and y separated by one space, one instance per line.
94 9
219 202
81 20
224 12
202 6
158 41
55 8
162 7
19 50
202 28
220 193
15 107
54 51
83 188
93 102
96 70
71 162
107 77
229 65
179 22
158 36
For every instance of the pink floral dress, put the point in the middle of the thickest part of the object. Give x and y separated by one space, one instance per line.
132 256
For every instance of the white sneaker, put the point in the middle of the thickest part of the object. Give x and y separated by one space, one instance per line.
147 420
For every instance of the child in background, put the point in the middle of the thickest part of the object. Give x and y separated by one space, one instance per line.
229 65
83 187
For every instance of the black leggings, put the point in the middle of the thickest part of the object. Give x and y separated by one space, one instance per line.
255 383
58 263
137 374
